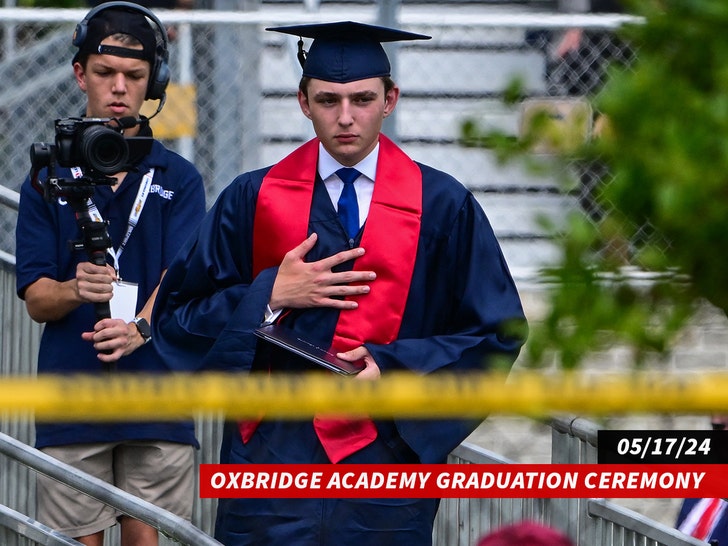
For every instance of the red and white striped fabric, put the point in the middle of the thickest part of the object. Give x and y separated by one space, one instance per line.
702 519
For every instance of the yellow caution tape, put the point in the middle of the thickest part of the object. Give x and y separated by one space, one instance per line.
139 397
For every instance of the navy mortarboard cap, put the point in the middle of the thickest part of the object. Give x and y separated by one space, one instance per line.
346 51
113 20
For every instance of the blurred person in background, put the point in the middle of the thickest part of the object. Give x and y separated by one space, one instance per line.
525 533
706 519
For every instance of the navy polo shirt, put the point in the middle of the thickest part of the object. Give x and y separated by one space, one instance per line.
174 207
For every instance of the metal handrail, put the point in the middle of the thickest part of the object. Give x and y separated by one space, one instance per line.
627 519
169 524
27 527
578 427
9 197
281 14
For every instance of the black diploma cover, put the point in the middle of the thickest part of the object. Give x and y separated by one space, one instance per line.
291 341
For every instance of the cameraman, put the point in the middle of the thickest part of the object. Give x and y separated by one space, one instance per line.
152 206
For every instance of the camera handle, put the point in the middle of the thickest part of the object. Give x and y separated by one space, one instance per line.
96 240
95 235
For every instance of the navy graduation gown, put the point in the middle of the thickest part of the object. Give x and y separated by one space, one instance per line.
461 299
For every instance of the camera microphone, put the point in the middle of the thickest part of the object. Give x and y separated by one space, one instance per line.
162 100
128 122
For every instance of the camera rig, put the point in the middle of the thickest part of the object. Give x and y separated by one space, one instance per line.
94 149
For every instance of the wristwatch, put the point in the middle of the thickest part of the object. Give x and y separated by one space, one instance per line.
144 329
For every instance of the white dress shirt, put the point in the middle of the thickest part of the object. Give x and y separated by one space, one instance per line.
364 185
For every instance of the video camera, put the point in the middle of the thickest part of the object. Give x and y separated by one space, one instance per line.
95 145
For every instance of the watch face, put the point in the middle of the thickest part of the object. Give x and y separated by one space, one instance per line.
143 327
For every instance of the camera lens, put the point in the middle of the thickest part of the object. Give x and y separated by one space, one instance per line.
104 149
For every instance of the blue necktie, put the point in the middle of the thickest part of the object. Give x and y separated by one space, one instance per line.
348 206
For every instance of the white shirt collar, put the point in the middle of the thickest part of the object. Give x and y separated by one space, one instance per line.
327 165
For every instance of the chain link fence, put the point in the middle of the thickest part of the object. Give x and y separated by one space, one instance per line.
231 105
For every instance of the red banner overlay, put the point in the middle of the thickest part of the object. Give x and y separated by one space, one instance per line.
464 481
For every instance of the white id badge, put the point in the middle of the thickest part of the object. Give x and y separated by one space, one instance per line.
123 302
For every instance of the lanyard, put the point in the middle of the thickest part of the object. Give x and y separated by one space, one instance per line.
134 214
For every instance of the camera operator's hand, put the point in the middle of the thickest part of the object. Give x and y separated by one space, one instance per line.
48 299
93 282
114 338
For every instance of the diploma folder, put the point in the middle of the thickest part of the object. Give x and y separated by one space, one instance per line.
291 341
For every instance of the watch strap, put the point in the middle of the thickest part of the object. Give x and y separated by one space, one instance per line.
144 329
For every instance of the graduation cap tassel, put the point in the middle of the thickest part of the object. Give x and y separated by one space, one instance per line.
301 53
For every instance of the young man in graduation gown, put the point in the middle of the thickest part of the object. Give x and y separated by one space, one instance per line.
410 277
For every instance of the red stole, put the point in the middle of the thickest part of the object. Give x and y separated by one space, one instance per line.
390 237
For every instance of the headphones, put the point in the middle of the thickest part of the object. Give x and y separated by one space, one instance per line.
160 73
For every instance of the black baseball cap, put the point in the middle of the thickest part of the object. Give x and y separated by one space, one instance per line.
114 20
347 51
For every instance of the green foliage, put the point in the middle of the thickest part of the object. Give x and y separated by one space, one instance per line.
667 141
666 145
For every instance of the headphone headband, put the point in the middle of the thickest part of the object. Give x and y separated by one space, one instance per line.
160 72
